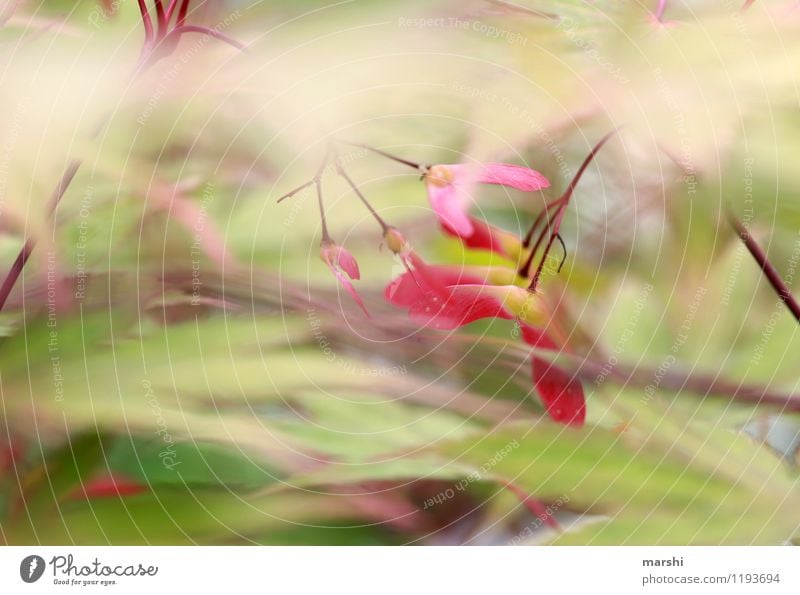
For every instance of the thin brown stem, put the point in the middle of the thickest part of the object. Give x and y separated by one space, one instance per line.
385 154
373 212
525 269
317 177
553 234
571 188
318 182
553 228
325 235
770 272
291 193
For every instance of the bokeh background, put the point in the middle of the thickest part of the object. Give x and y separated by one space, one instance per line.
177 366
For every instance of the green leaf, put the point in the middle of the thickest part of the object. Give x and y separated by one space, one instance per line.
156 463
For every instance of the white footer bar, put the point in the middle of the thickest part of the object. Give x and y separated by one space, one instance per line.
400 570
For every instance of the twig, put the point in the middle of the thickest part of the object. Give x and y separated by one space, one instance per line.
30 243
770 272
384 154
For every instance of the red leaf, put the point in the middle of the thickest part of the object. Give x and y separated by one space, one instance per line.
561 393
450 189
411 286
458 306
444 297
515 176
342 265
484 237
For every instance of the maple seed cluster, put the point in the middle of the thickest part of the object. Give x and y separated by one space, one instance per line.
446 297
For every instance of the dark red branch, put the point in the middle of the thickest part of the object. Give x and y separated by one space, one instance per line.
161 17
529 236
170 9
770 272
525 269
15 272
184 9
551 230
148 24
571 188
30 243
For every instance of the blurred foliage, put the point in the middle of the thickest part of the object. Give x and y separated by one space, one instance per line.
176 330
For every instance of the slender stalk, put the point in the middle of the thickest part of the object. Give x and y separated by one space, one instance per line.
553 228
291 193
529 236
317 177
385 154
325 235
525 269
318 182
571 188
553 231
564 249
373 212
770 272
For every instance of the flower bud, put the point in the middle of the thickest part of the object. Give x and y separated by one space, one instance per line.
439 175
395 241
